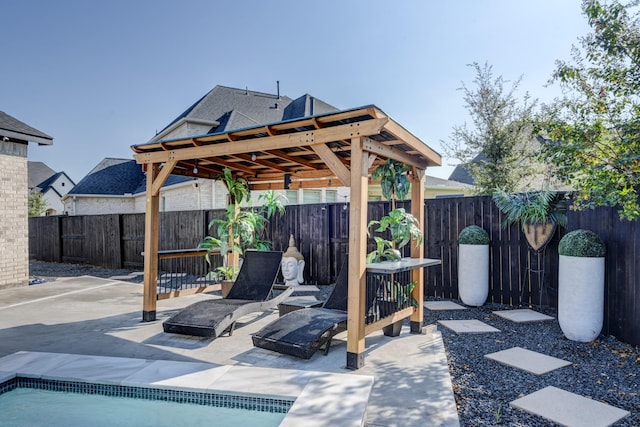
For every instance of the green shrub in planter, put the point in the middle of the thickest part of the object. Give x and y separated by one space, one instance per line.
582 243
473 235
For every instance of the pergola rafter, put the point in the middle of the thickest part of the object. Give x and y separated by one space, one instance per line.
328 150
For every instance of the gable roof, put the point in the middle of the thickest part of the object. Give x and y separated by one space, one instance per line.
226 108
16 131
38 172
116 177
44 185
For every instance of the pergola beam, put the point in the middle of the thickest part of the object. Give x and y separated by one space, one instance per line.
266 143
334 163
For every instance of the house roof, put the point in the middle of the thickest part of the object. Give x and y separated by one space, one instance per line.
461 172
435 182
116 177
44 185
37 173
314 151
16 131
226 108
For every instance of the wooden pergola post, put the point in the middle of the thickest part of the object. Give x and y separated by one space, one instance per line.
417 210
357 255
151 230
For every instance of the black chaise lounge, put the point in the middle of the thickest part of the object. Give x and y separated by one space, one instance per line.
302 332
249 294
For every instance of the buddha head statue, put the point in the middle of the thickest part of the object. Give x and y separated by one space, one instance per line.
292 265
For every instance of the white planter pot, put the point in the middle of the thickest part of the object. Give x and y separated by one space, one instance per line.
581 297
473 274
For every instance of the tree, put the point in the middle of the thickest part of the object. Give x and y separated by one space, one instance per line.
37 203
593 131
497 151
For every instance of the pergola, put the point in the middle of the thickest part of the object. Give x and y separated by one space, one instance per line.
329 150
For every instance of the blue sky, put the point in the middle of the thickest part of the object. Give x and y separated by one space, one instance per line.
102 76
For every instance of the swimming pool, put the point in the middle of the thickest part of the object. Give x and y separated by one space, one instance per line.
37 402
314 398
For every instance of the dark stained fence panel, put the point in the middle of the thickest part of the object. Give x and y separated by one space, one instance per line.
73 239
45 239
102 242
132 235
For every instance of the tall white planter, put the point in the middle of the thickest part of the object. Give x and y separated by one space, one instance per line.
581 297
473 274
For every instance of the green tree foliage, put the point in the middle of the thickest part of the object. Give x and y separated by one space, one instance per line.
37 203
594 130
501 133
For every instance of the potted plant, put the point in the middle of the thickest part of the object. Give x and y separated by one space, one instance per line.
403 227
581 285
240 229
538 212
473 265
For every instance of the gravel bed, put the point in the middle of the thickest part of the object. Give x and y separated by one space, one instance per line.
605 370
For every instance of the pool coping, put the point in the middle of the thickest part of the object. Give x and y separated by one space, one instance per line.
340 398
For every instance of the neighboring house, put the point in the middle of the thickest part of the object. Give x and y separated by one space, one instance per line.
119 185
540 178
53 186
220 110
14 193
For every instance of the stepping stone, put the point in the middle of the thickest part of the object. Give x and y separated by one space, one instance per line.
569 409
523 315
443 305
527 360
467 326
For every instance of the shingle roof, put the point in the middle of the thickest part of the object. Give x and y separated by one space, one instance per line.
37 172
432 181
44 185
117 177
461 172
18 131
235 108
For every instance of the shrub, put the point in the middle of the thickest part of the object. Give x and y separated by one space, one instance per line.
473 235
582 243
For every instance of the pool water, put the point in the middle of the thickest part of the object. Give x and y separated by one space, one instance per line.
34 407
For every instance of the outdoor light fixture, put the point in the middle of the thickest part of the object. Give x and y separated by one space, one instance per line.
344 207
287 181
195 167
253 157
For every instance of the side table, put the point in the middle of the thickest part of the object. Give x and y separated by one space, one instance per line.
297 303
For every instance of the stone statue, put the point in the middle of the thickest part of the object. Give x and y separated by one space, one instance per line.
292 265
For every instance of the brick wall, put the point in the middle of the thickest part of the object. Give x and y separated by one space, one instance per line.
14 230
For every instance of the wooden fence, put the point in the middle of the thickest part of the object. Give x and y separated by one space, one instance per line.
518 276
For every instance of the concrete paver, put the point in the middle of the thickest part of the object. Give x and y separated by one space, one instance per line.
569 409
471 326
527 360
523 315
443 305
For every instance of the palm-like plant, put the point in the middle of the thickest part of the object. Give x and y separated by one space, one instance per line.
240 230
536 207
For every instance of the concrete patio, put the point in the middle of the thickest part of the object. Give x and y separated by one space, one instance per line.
91 316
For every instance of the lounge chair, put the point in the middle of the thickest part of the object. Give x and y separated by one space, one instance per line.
249 294
302 332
